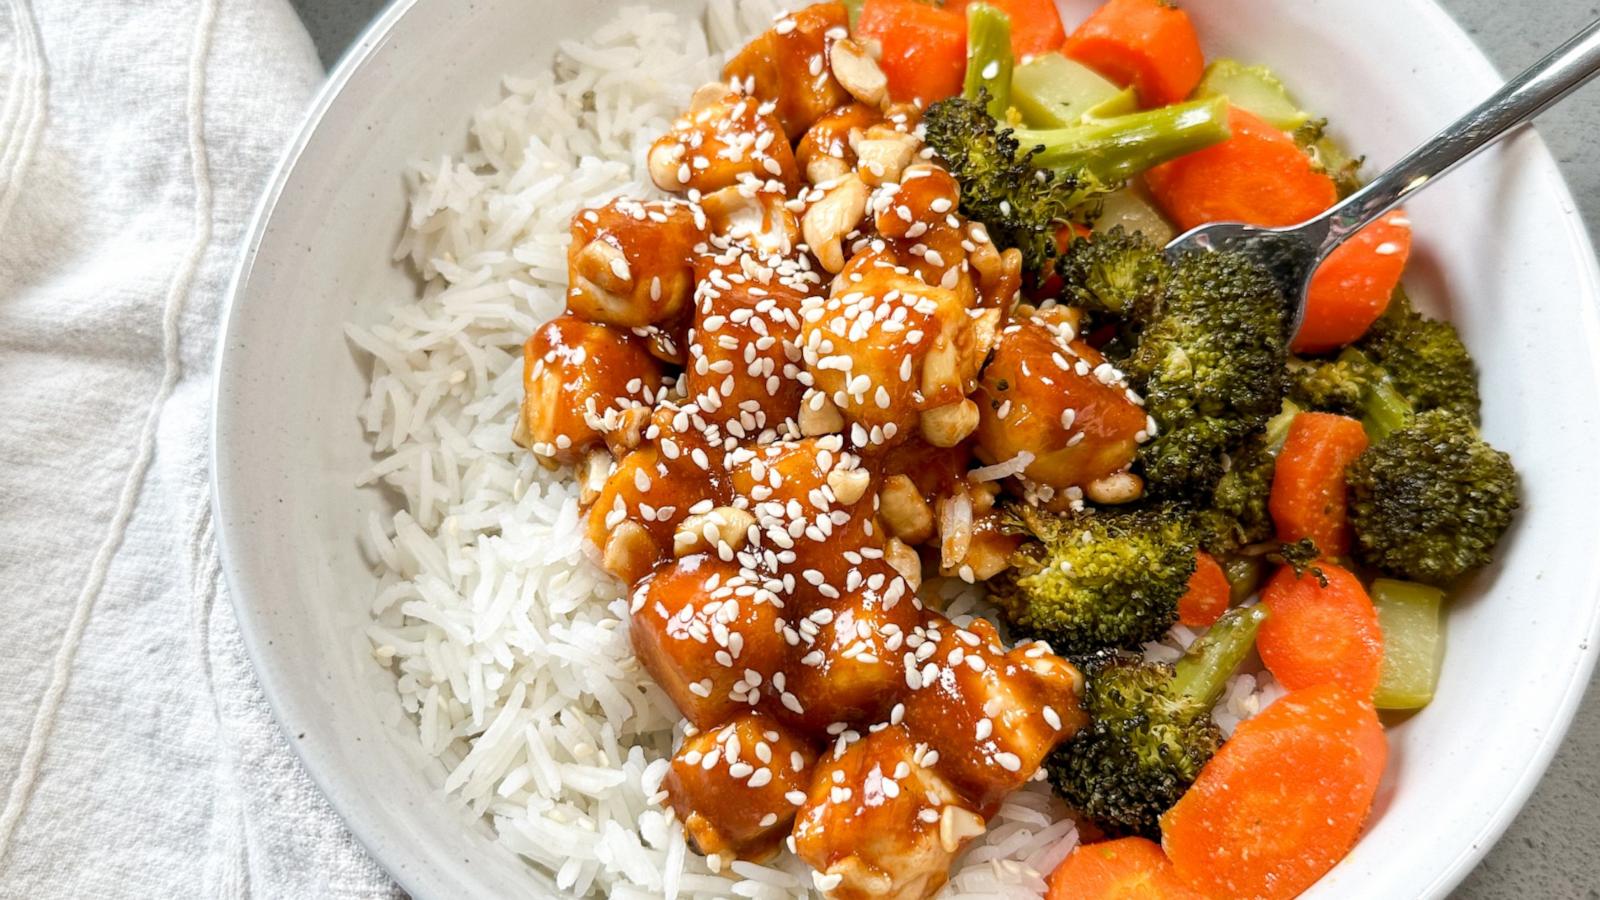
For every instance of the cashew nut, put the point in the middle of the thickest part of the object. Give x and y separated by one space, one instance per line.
828 220
986 261
624 429
903 559
949 425
629 552
592 476
903 510
988 555
819 416
849 485
725 526
857 72
940 368
986 331
520 435
823 168
707 95
882 153
1116 488
602 280
762 219
957 826
665 162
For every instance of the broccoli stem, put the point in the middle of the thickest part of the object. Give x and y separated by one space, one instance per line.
989 61
1117 148
1244 577
852 11
1383 408
1203 673
1278 426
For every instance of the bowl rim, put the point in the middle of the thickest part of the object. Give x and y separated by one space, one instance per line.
370 832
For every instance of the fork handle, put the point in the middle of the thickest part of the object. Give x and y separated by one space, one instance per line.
1566 69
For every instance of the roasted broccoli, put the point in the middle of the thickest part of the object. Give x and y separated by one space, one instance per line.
1237 514
1209 361
1205 341
1118 272
1429 501
1092 580
1425 359
1025 186
1337 385
1150 728
1405 355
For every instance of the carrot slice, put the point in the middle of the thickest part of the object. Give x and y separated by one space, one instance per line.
1131 868
1308 492
1281 802
1208 595
1321 635
924 48
1149 44
1035 24
1353 286
1259 176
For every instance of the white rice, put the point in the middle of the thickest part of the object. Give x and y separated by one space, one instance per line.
509 646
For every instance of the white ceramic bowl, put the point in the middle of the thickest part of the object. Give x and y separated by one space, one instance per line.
1500 239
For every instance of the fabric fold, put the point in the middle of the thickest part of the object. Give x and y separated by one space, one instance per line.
138 757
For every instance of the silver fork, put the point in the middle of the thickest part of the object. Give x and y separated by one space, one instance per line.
1292 254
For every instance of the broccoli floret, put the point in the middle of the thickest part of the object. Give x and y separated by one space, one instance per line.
1150 728
1117 272
1024 186
1425 359
1209 339
1092 580
1237 515
1405 352
1209 361
1335 386
1430 501
1021 206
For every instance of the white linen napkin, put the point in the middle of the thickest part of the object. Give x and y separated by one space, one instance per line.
137 755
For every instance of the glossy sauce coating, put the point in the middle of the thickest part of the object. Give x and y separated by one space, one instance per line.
880 820
827 150
1056 399
727 138
579 379
736 787
788 64
743 362
885 346
775 503
631 264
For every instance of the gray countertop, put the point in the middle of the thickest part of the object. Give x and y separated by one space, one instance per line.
1550 850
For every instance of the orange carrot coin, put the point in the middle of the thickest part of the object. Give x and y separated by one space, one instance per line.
1208 595
1131 868
1282 801
1149 44
1308 488
1353 286
1320 635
